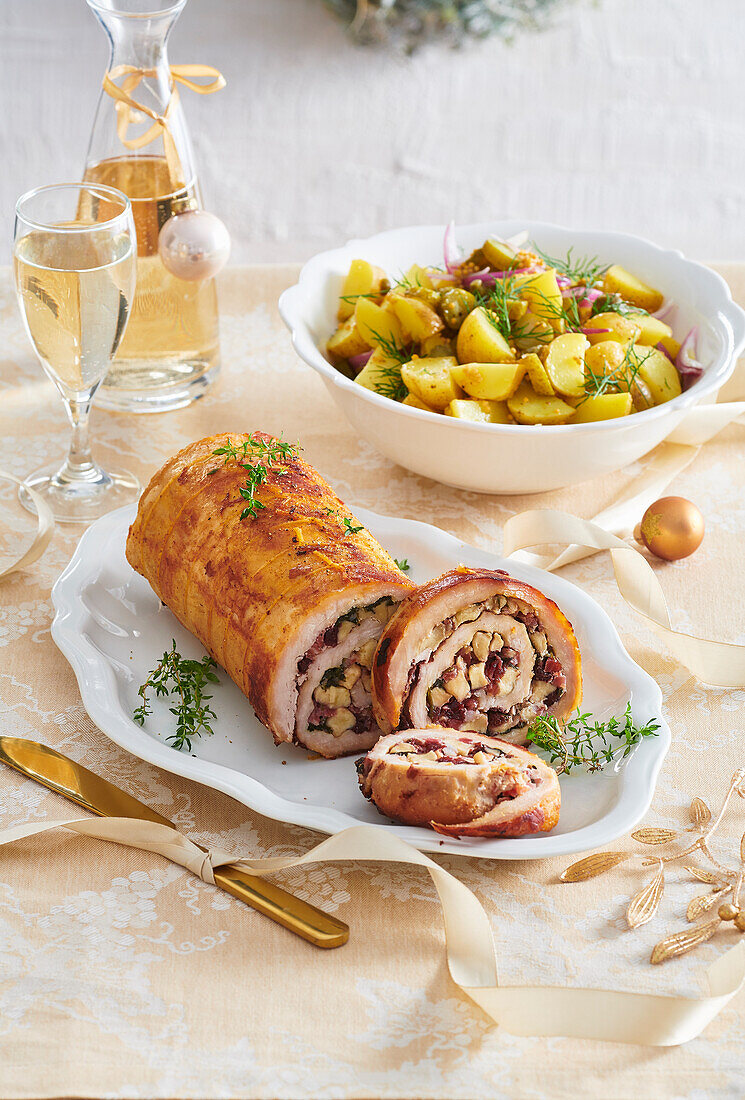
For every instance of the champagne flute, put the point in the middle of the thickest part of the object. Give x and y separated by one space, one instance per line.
75 271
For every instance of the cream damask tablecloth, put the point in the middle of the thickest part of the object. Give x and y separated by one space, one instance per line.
122 975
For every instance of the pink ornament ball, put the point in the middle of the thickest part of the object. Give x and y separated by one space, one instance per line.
194 245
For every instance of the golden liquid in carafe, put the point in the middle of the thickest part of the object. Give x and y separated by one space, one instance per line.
172 339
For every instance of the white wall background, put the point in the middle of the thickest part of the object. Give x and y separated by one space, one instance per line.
628 115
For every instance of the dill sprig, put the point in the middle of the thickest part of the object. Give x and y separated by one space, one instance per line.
614 303
256 457
586 743
619 380
566 311
583 269
185 680
496 301
388 381
403 564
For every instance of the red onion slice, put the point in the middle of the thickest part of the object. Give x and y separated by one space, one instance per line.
491 277
664 309
689 368
357 362
450 249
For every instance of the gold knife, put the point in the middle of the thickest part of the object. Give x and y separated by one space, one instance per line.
96 794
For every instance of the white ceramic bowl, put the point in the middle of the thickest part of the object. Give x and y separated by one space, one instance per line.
515 458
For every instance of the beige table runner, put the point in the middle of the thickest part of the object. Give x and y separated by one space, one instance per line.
121 975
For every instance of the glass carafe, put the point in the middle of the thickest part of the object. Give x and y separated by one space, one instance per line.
170 352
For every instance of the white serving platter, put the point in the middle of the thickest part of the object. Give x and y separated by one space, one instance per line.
113 629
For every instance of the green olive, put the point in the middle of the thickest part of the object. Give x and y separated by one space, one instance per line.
455 305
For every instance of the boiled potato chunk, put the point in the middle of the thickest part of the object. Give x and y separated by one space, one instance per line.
482 412
659 374
565 363
603 406
380 373
499 254
611 326
377 325
543 296
480 341
671 346
617 280
418 320
528 407
533 332
651 330
417 276
347 340
489 381
413 402
605 357
431 380
363 279
539 379
436 346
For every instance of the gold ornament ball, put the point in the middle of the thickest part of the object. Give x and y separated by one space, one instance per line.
728 911
740 921
671 528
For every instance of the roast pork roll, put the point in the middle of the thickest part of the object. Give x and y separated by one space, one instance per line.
476 650
460 784
290 600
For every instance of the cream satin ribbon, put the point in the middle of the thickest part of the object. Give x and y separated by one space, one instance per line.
126 106
642 1018
44 530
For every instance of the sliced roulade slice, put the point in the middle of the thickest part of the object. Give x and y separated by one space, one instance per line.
460 784
476 650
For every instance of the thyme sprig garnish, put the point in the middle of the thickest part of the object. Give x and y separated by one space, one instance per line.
351 528
186 681
256 457
403 564
583 269
587 743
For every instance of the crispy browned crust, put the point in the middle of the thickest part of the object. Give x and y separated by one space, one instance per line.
411 619
458 800
244 588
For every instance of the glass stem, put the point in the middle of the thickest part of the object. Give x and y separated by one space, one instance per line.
79 464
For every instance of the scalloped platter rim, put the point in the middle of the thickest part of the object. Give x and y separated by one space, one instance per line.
112 629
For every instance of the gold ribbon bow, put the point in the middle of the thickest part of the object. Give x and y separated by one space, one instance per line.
127 107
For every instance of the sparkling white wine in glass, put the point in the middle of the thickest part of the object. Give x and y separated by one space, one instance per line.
75 296
74 264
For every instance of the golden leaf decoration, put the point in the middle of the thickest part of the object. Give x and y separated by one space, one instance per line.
654 836
704 902
703 876
591 866
700 813
644 906
681 942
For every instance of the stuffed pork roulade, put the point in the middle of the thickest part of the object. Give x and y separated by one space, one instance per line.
460 784
258 557
476 650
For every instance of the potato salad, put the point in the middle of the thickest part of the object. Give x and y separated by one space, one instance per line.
511 335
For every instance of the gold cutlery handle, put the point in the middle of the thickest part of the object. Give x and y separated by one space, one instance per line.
299 916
